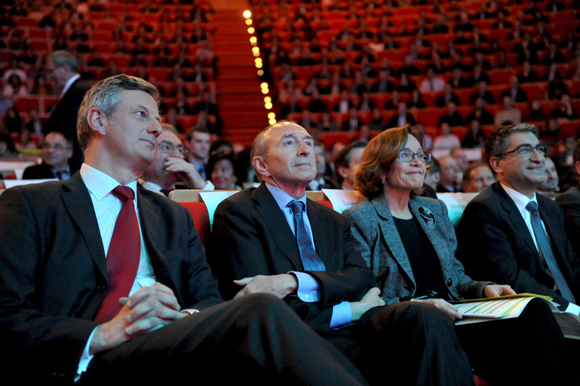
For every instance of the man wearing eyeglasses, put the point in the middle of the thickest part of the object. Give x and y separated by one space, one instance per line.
512 235
170 166
56 152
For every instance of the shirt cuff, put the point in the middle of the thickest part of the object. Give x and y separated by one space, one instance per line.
86 357
308 289
573 309
341 315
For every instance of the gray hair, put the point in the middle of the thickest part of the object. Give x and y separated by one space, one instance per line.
105 96
64 58
498 141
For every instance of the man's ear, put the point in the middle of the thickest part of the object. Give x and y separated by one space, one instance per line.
260 166
494 163
577 165
342 171
95 119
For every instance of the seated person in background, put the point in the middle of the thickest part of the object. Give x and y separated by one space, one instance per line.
56 151
445 141
221 169
460 157
409 243
346 164
550 184
255 240
403 117
512 235
320 181
432 82
450 175
477 177
509 115
566 109
126 294
433 175
570 203
475 138
452 117
169 166
480 114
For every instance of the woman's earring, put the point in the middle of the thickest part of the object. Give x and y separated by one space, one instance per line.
383 181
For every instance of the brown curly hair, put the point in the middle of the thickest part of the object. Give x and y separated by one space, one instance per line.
378 157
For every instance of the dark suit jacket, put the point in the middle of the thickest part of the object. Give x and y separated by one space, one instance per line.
494 244
53 270
36 172
570 203
251 237
64 119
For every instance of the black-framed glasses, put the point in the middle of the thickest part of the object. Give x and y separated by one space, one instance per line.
408 155
169 148
526 150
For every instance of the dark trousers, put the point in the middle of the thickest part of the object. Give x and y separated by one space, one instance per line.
257 338
528 350
407 344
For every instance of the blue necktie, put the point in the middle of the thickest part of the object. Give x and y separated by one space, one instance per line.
547 253
310 259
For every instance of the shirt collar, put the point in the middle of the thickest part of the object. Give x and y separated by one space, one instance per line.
519 199
101 184
69 83
282 198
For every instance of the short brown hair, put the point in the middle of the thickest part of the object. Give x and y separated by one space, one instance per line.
195 129
378 157
106 96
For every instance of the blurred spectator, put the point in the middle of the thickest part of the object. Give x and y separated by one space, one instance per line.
6 145
477 177
452 117
394 102
450 176
518 95
366 103
402 118
480 114
457 80
551 132
448 96
56 152
528 75
416 100
460 157
346 163
535 112
554 56
344 104
509 115
427 139
405 85
40 86
15 69
566 110
15 88
352 123
320 181
382 85
445 141
221 169
13 122
482 93
433 175
34 124
478 76
377 122
5 104
550 184
432 83
326 123
474 137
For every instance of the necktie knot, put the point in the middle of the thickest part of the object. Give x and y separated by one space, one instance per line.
532 207
123 193
297 206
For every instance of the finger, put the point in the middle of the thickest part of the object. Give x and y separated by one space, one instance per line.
145 292
244 281
243 292
151 308
143 325
123 301
508 290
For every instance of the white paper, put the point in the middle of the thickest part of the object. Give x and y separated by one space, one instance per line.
11 183
213 199
343 199
456 203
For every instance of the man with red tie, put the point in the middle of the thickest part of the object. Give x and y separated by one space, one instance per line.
102 279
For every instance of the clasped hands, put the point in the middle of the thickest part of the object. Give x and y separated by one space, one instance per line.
185 171
145 310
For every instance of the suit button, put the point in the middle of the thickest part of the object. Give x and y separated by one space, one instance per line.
449 282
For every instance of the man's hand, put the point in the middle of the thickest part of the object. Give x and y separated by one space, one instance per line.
493 290
277 285
444 306
145 310
185 171
370 300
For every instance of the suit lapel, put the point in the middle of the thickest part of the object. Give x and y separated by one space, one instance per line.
552 226
321 238
517 221
277 225
77 201
150 215
391 235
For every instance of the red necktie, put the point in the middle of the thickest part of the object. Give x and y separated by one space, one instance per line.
123 255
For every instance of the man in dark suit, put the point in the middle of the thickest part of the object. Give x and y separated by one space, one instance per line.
570 203
264 240
106 281
56 151
504 237
63 68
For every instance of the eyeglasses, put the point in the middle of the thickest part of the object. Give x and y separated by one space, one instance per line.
169 148
408 155
526 151
57 147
